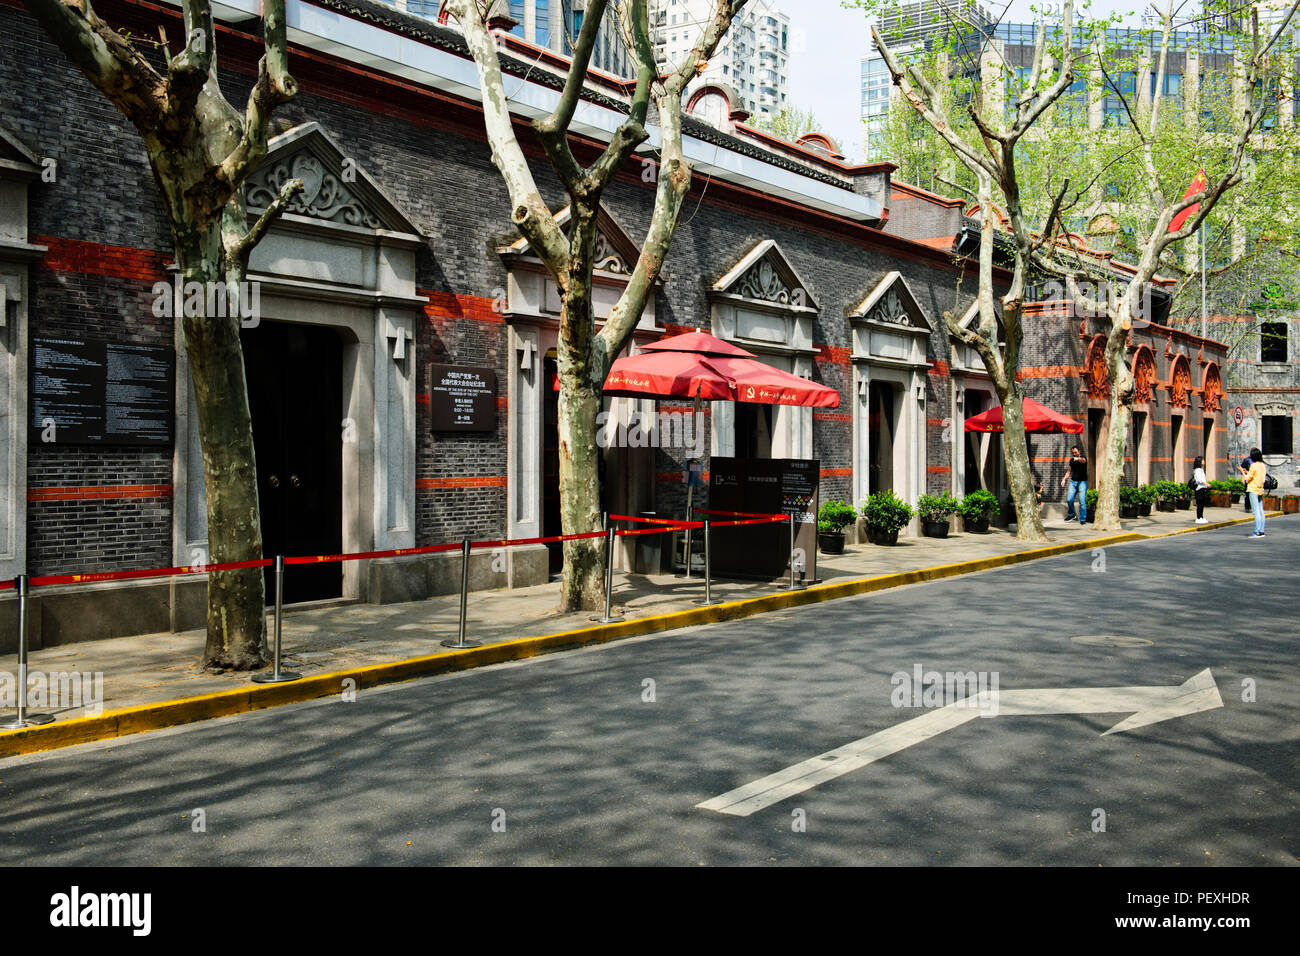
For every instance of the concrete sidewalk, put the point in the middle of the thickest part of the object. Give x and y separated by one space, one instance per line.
153 668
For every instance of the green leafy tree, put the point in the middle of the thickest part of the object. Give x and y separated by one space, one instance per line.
791 122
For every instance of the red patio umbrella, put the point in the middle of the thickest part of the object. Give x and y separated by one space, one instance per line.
699 365
1038 418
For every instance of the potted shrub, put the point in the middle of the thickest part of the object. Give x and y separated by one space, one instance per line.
1290 504
976 509
1166 495
1183 495
832 519
1236 488
1146 498
1129 498
1091 498
1219 494
885 514
934 511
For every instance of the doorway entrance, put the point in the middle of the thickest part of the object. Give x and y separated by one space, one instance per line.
754 430
983 453
551 521
882 424
295 395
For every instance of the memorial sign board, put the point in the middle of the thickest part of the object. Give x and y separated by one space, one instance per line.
463 399
87 392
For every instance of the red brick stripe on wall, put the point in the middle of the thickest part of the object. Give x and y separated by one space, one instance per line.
832 417
99 492
937 469
837 472
1050 371
446 305
93 258
473 481
834 353
940 367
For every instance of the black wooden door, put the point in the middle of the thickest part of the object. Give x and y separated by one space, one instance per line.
295 394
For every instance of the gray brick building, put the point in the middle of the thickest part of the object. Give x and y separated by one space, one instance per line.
399 257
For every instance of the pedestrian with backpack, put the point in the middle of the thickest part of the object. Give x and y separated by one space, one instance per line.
1201 488
1256 481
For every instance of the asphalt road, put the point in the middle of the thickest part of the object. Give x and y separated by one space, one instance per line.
571 762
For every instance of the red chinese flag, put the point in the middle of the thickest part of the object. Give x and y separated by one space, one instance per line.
1197 185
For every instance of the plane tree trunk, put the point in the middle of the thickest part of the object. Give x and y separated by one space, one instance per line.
201 150
585 355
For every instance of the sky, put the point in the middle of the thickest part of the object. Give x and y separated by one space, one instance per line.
828 43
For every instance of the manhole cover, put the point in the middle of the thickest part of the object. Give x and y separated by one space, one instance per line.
1111 640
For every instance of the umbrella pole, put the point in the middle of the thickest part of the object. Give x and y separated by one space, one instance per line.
690 487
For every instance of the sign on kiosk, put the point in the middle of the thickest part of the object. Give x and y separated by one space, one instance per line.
766 486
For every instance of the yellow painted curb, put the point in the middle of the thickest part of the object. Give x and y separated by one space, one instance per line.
226 703
1212 525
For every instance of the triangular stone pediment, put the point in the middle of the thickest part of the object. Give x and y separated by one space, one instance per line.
337 189
764 274
891 302
615 250
16 156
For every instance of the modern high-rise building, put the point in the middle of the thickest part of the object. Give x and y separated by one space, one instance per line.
551 24
753 59
907 30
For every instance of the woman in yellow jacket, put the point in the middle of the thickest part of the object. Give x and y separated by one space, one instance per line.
1254 479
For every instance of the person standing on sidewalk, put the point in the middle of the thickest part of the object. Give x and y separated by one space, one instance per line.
1254 479
1201 484
1077 475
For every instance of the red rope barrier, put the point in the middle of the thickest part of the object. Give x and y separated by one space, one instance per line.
693 525
645 520
669 525
771 519
153 573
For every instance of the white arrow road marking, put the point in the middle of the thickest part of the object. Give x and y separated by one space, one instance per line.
1148 705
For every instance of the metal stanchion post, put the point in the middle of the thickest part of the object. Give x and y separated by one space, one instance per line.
609 580
461 643
277 676
688 547
708 569
793 586
24 719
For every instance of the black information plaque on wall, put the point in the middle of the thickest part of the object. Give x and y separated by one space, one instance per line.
462 399
88 393
765 486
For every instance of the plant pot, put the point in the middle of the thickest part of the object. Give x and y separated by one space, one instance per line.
1092 515
978 525
1272 503
1291 504
1163 505
831 542
1184 504
934 529
1144 509
1218 499
1234 499
885 538
1126 511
